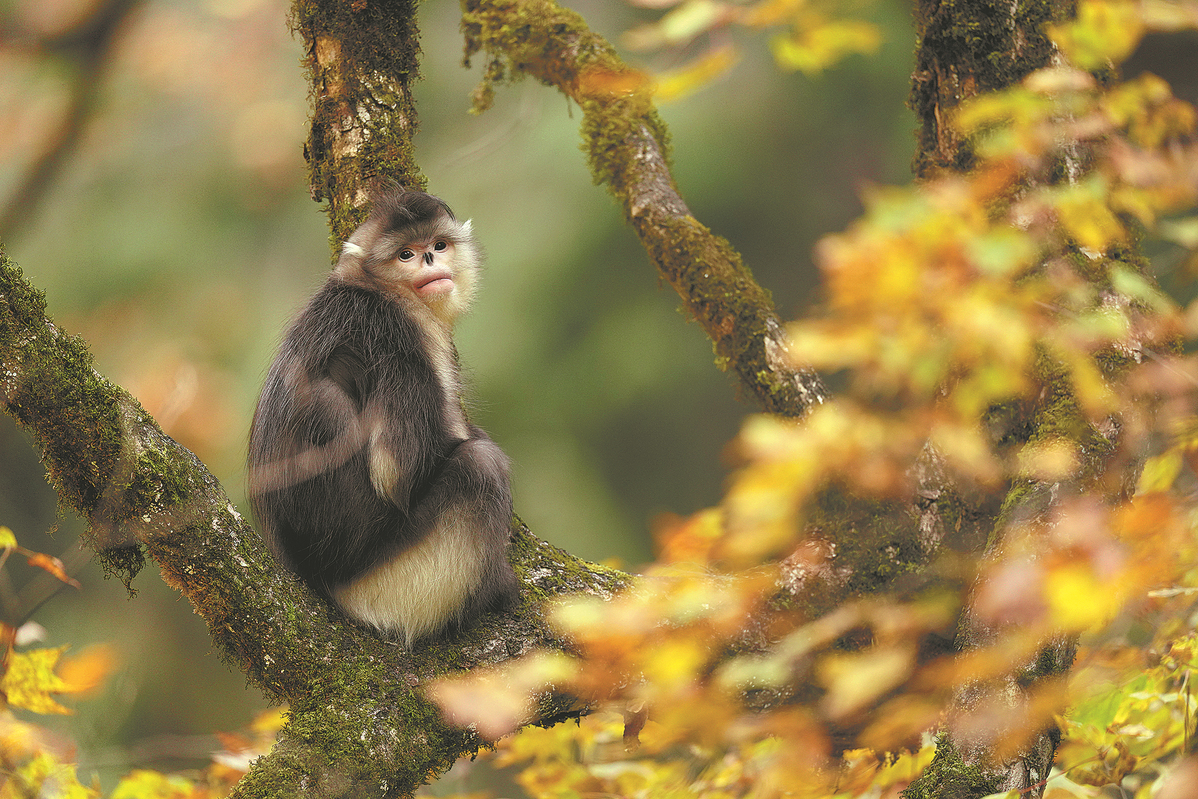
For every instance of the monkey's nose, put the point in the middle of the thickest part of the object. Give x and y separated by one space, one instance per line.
428 257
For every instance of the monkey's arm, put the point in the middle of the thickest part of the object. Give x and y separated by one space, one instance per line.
354 400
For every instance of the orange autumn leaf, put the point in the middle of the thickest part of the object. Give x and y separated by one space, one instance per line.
85 672
54 566
603 83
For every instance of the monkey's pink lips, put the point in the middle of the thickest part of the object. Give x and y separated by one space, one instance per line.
434 283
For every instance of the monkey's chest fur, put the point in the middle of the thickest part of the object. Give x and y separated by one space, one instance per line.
365 477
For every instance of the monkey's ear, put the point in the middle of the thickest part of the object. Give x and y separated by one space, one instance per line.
466 228
349 248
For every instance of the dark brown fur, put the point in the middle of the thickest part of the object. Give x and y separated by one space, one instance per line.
363 390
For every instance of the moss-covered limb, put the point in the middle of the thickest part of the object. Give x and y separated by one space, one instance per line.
364 728
950 777
963 767
367 729
627 147
362 58
967 47
140 491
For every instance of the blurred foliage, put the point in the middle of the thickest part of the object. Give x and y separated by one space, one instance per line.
1019 285
817 35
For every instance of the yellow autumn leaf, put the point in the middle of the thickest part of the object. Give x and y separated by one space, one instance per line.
674 662
856 680
496 701
30 681
147 784
1078 599
1055 459
679 25
45 776
815 47
1159 472
771 12
679 83
1169 15
1082 210
19 740
270 720
1103 32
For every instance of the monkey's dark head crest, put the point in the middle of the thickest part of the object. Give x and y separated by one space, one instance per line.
399 208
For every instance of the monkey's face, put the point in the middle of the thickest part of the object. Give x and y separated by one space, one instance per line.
432 259
437 267
429 267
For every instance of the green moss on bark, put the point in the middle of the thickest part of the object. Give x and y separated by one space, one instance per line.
362 59
966 48
49 376
950 777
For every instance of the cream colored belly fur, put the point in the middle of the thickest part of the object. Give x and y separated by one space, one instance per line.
422 590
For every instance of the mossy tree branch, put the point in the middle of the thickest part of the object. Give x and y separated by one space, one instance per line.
362 57
359 723
627 147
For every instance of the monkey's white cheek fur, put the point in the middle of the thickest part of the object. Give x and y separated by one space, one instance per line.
422 590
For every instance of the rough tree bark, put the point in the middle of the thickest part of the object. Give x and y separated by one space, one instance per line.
966 48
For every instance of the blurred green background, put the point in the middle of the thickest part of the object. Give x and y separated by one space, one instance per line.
179 238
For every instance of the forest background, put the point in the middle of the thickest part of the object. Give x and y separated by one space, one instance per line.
178 237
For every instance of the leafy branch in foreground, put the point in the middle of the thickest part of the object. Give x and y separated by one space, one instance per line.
953 310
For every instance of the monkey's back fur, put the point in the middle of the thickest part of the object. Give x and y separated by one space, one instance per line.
365 478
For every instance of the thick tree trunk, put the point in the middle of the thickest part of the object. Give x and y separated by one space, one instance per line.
966 48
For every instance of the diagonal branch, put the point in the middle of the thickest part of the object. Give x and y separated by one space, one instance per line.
627 147
359 722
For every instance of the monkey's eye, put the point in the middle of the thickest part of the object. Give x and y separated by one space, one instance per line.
406 254
440 246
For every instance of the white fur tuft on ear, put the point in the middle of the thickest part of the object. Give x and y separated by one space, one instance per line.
466 227
349 248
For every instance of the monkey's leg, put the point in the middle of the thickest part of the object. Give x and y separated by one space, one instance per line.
456 566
